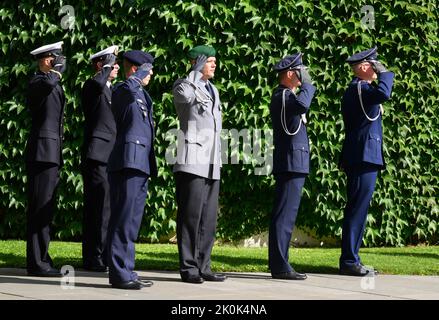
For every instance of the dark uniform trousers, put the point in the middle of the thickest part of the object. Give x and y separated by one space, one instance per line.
197 200
42 182
360 187
128 194
288 194
96 212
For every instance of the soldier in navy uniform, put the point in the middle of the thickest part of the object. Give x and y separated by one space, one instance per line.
291 159
45 100
99 137
362 153
132 162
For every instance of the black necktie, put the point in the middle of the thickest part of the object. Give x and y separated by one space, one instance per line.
210 90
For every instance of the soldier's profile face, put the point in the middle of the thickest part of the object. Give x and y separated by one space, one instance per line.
114 72
365 71
292 76
45 63
209 68
146 80
48 61
368 70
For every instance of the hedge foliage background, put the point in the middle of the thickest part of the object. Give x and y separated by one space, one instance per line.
250 36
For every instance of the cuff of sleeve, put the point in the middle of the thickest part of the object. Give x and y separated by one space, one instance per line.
136 79
194 76
57 72
307 85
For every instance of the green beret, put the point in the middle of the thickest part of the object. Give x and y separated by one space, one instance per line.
199 50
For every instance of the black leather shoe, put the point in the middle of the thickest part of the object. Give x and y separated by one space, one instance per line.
145 283
355 270
130 285
214 277
193 279
52 272
292 275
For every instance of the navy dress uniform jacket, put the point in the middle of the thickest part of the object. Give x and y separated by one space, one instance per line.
100 127
291 153
132 109
363 138
46 102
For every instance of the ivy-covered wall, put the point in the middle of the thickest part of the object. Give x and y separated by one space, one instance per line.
250 36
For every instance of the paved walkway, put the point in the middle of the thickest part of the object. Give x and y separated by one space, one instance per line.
15 284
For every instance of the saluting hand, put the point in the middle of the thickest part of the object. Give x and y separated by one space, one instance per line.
378 67
146 67
304 75
59 64
199 63
109 61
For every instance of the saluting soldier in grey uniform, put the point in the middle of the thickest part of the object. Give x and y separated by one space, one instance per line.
197 171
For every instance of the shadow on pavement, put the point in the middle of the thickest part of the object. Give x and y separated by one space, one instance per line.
154 261
42 281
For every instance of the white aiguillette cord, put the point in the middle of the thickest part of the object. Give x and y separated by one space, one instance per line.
362 107
283 119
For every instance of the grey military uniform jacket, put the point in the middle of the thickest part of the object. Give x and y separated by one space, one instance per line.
199 114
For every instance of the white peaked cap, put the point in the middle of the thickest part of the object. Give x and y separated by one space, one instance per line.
112 49
47 48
